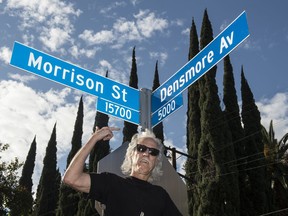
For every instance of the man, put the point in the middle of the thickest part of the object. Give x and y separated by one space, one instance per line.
131 196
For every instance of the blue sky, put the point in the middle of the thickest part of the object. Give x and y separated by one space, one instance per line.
99 35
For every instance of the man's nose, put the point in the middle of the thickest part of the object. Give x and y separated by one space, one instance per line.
146 152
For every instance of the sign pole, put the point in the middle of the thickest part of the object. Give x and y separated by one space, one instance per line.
145 109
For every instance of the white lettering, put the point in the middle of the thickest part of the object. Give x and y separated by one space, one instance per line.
124 93
116 90
230 39
47 67
182 80
65 71
210 56
80 78
89 83
35 62
198 67
162 94
179 83
56 70
69 75
224 43
117 94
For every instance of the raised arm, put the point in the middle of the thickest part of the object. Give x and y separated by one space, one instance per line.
74 175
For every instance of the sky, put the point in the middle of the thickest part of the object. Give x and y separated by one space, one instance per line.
99 35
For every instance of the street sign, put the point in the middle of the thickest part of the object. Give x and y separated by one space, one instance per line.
216 50
123 101
167 109
68 74
117 110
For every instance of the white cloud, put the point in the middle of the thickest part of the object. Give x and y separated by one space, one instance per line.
77 52
144 26
54 38
50 18
177 22
5 54
117 74
102 37
276 109
161 56
147 23
25 113
135 2
112 6
22 78
186 32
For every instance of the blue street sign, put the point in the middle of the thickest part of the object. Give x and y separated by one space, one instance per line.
57 70
167 109
216 50
117 110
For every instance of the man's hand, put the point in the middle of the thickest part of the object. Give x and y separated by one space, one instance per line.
105 133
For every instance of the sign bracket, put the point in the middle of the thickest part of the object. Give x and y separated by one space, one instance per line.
145 109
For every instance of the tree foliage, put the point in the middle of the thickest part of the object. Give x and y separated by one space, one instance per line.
69 198
24 198
8 182
158 129
254 150
47 191
129 128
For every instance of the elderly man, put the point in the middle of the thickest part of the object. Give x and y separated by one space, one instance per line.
130 196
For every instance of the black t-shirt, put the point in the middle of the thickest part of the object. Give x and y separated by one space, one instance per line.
130 196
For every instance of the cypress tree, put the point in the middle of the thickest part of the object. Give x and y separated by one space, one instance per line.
218 182
255 165
47 191
232 114
69 198
129 128
23 196
26 182
158 129
193 125
100 150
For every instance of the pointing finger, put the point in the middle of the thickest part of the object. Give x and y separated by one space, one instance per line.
114 128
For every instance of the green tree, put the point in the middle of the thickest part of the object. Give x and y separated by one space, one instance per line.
100 150
193 126
47 191
277 158
255 165
8 181
69 198
129 128
218 182
24 203
232 114
158 129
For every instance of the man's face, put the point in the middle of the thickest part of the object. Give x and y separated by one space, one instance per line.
143 162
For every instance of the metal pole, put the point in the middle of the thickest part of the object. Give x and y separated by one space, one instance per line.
174 158
145 109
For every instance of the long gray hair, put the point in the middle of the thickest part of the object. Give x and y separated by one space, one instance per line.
127 163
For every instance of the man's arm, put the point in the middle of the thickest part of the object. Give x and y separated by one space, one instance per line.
74 175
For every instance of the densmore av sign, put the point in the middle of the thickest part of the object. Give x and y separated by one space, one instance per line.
216 50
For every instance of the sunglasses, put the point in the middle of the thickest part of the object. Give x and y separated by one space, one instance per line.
152 151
